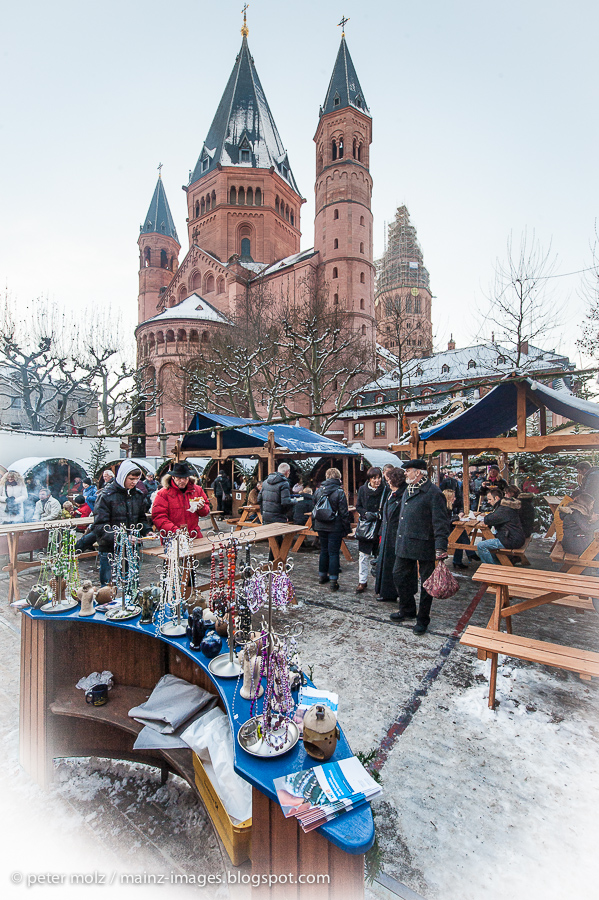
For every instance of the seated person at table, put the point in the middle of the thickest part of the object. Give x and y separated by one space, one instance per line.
180 503
47 507
82 510
579 524
527 510
493 481
505 519
590 485
454 509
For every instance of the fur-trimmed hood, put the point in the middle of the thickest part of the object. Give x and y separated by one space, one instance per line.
575 506
511 504
165 481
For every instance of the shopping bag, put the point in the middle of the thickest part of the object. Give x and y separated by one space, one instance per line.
441 583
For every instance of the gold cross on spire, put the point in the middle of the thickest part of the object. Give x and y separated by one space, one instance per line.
343 23
245 30
160 170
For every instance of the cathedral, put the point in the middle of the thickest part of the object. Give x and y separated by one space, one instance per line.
243 222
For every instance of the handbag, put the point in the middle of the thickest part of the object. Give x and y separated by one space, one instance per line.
441 584
323 511
366 531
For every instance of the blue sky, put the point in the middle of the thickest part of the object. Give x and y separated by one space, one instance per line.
484 123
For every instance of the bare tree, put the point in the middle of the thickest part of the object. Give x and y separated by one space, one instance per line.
589 342
521 310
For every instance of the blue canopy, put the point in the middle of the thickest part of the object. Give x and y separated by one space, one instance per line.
496 412
254 433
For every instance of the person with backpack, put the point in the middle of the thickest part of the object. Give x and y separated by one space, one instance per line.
330 519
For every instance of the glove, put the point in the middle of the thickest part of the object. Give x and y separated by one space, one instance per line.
441 554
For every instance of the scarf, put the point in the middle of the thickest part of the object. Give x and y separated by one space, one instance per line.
412 488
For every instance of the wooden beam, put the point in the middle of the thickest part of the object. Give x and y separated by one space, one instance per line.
271 452
521 414
543 420
466 482
534 444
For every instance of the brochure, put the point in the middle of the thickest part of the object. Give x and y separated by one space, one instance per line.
309 696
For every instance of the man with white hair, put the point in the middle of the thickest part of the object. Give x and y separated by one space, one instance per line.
275 497
47 507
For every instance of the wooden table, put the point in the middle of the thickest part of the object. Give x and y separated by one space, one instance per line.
253 535
540 587
14 532
553 503
55 721
308 531
246 511
474 529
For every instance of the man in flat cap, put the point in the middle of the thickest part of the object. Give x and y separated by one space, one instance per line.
422 534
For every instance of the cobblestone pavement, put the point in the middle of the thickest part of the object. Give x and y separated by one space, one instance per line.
465 790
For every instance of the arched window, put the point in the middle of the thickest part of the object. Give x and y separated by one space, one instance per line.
471 364
335 244
148 257
276 204
408 304
204 337
182 293
362 304
380 398
194 337
172 265
241 197
340 148
170 335
203 206
335 273
207 202
354 149
334 150
160 337
258 197
336 214
232 196
287 213
220 285
445 369
363 329
361 220
417 305
361 247
196 281
213 199
181 335
163 259
362 278
209 283
246 248
292 217
250 197
359 152
335 299
197 208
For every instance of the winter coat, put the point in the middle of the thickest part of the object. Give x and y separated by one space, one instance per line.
115 505
590 485
12 499
384 585
368 506
578 530
47 510
505 519
333 490
151 486
90 493
170 509
424 524
527 513
452 484
275 498
221 485
488 485
302 507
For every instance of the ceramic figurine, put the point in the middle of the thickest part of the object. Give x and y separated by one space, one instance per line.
209 616
321 732
222 626
106 594
199 628
148 604
211 645
252 667
85 596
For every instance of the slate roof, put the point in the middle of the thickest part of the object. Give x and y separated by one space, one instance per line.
193 307
344 85
243 121
159 218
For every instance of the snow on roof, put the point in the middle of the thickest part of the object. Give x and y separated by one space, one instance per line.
193 307
289 261
476 361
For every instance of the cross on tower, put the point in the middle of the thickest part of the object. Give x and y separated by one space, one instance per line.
160 170
343 23
245 29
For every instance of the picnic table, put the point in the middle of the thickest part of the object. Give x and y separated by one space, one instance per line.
573 564
14 533
308 531
475 528
246 512
538 587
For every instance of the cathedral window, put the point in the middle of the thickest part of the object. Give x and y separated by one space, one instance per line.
258 197
203 206
361 247
213 199
336 214
220 285
148 257
417 305
209 284
334 150
292 217
197 208
359 152
362 305
276 204
241 197
361 220
172 265
363 329
163 260
246 248
362 278
335 273
335 299
354 149
335 244
408 304
233 196
207 202
250 197
340 148
287 213
204 337
245 156
170 335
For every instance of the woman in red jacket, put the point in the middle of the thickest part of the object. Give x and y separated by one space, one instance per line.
180 503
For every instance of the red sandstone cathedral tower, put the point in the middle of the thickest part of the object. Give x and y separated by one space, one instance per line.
244 226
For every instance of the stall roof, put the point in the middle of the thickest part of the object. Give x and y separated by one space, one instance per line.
250 433
25 465
496 412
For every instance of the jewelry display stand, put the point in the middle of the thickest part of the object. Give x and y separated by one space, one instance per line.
59 568
125 571
176 573
224 596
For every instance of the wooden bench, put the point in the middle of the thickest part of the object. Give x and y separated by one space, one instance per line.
584 662
504 555
309 532
573 564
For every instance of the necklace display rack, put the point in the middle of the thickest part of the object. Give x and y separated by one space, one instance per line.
59 573
177 573
272 732
125 571
225 599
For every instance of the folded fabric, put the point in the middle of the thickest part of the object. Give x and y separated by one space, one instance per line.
150 739
172 703
87 682
210 737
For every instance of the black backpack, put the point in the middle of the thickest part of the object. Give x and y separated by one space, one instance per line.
323 511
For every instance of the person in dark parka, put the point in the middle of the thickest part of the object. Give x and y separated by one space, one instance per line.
579 524
422 536
120 503
369 506
331 533
275 499
505 519
385 585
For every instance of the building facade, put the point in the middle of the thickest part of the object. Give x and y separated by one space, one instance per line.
243 219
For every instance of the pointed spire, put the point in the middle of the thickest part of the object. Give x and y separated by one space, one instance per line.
344 87
243 132
159 218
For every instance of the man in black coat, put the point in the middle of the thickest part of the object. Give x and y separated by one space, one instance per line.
120 503
275 498
422 536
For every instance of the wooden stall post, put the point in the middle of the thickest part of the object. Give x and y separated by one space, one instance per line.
466 482
521 414
543 420
346 475
271 452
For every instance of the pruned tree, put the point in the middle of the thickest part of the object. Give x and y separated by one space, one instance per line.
520 309
589 342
